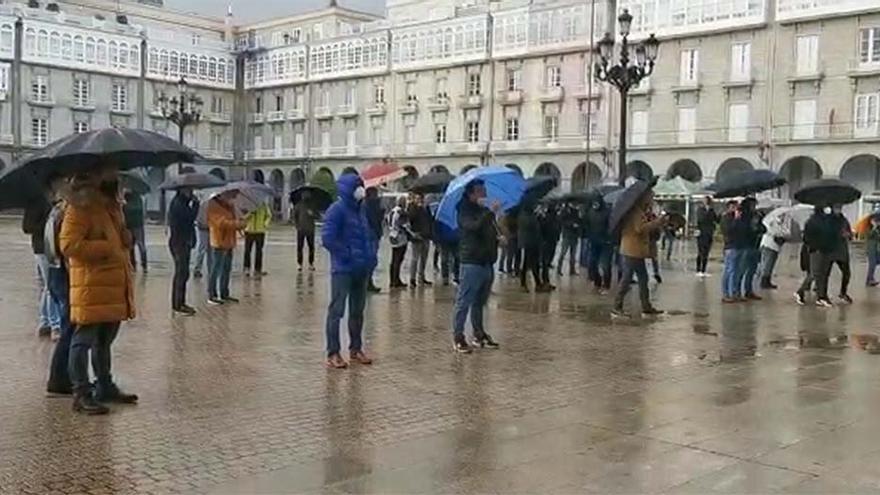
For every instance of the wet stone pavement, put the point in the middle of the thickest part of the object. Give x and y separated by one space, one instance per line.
751 398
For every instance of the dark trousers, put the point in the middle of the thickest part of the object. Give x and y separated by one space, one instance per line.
96 338
398 254
570 249
218 277
638 267
820 269
600 264
704 246
303 238
449 261
59 291
181 256
531 263
351 288
548 254
845 274
250 242
514 256
139 241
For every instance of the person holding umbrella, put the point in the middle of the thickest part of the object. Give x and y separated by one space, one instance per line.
304 217
530 241
182 215
347 236
375 214
398 236
707 219
598 239
133 208
819 240
634 218
256 225
752 230
778 228
420 228
570 220
96 243
840 255
550 232
223 226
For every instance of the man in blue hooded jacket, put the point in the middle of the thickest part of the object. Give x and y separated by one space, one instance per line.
347 236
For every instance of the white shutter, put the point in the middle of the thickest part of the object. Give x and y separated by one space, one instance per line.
258 143
325 143
804 119
807 54
866 108
738 122
687 124
639 128
740 61
690 63
351 141
278 145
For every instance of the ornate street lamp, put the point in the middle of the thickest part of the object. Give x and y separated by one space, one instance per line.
182 110
625 74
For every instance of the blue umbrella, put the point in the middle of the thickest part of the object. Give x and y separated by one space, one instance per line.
502 184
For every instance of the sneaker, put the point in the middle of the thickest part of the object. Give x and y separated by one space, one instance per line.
56 335
799 297
230 299
653 312
658 278
184 311
706 274
300 269
845 299
620 314
372 288
336 362
485 340
113 394
872 284
86 404
361 358
753 297
213 301
701 275
461 346
427 283
824 303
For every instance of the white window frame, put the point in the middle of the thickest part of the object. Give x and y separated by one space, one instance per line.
474 83
39 131
553 76
379 94
866 113
639 128
690 67
325 142
514 79
440 133
807 54
299 144
738 122
5 70
741 61
81 126
512 129
351 141
119 97
869 45
82 92
687 125
40 88
472 131
551 128
804 119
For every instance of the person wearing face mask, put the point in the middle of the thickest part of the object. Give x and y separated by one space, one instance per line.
420 224
95 243
352 244
820 240
841 232
181 224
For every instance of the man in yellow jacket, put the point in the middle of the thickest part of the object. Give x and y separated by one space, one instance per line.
257 222
223 226
96 244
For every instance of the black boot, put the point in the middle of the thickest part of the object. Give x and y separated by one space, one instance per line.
84 403
111 393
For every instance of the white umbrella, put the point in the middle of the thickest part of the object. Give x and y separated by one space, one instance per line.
251 195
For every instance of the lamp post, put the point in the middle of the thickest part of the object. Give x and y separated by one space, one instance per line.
182 110
625 74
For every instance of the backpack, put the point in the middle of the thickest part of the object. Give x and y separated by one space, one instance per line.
50 234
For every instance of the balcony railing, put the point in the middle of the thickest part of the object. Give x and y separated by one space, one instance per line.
258 118
275 153
409 106
323 113
215 154
439 103
839 131
510 97
376 108
551 94
697 137
220 117
296 114
276 116
347 110
470 101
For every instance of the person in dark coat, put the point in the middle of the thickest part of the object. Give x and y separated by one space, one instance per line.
842 234
570 222
135 221
182 215
530 242
819 239
375 214
600 241
304 217
734 242
548 221
446 243
33 224
514 253
872 251
707 219
478 249
751 230
421 228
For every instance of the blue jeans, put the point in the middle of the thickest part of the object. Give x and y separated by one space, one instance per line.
873 261
353 288
473 293
218 277
730 279
750 259
59 376
203 248
96 338
49 315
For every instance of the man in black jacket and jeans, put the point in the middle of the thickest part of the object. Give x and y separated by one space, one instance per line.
181 222
478 248
820 240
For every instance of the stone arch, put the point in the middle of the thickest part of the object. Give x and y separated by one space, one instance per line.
862 171
257 175
349 170
515 168
687 169
732 166
439 169
798 171
548 169
297 178
467 168
585 176
218 172
639 170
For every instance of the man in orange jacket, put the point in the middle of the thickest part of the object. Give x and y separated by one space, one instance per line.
223 225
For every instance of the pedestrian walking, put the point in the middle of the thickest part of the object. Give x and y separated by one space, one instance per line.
752 231
636 246
707 219
256 225
304 217
135 221
599 240
420 228
734 242
33 224
548 221
375 214
182 215
570 222
820 240
478 249
842 234
101 292
223 225
398 236
668 239
203 241
778 229
347 236
654 238
530 242
872 251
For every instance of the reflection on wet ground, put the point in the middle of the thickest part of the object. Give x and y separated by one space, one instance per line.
748 398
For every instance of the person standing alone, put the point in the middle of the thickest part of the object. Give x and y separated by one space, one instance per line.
707 219
304 222
635 247
224 226
347 236
181 222
256 224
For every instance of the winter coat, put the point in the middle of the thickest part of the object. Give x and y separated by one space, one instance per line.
420 223
257 221
95 242
375 212
570 221
820 234
635 236
529 235
34 223
134 211
181 221
596 224
706 221
872 246
399 228
842 234
778 229
346 233
222 224
303 217
478 243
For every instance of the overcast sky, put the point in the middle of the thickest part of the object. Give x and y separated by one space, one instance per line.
258 10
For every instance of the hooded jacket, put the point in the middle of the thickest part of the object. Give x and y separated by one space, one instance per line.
181 221
346 232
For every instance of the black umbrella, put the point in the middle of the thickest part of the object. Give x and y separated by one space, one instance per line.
626 201
827 192
134 183
317 197
537 188
583 197
434 182
747 182
194 180
605 189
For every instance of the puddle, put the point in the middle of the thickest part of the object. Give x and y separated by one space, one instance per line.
704 329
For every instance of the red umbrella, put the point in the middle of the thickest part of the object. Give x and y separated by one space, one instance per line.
381 173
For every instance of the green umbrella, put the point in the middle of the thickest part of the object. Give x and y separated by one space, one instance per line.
324 180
